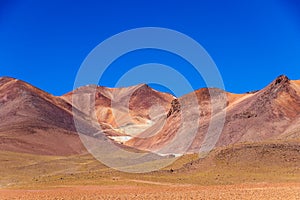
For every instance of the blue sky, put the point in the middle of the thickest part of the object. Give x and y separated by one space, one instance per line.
251 41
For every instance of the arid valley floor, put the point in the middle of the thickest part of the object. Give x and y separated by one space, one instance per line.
216 177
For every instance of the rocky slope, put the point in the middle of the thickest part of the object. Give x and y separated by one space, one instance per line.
34 121
124 111
270 114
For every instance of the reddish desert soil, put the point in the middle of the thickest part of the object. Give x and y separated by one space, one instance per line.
255 191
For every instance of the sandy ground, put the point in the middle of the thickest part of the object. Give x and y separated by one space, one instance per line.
255 191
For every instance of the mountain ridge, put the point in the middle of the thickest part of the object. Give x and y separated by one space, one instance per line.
148 118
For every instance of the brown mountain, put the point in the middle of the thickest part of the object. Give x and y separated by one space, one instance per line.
34 121
271 114
125 111
259 145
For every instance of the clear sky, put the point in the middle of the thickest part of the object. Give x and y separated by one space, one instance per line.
251 41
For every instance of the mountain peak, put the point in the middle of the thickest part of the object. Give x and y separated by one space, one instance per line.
281 80
276 87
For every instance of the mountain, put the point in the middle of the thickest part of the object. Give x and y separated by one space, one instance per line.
36 122
125 111
271 114
42 136
33 121
264 115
